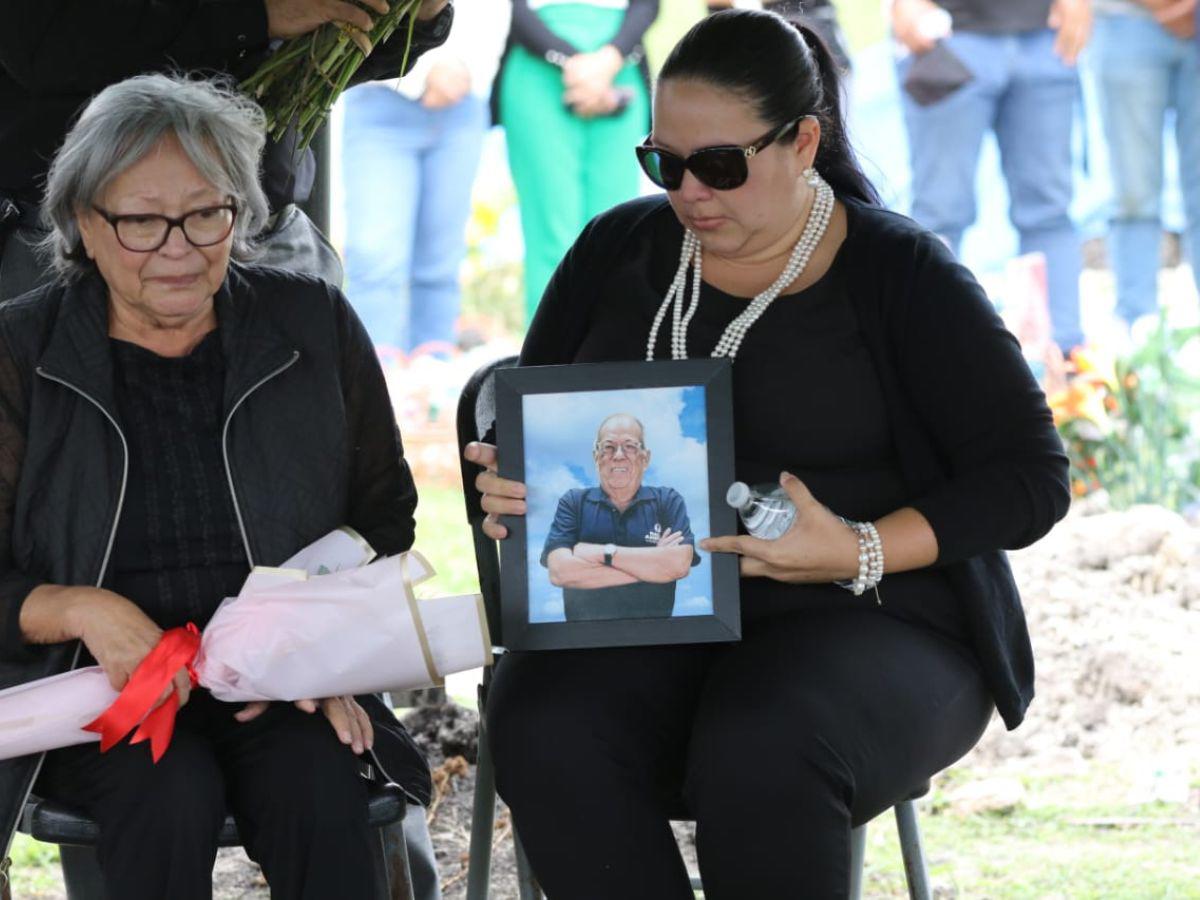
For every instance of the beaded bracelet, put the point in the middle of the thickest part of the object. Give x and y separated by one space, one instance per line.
870 560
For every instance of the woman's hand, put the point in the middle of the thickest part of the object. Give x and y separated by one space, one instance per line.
819 547
588 81
349 720
119 635
910 24
501 497
1072 19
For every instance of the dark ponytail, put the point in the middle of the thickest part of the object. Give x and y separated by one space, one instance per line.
785 70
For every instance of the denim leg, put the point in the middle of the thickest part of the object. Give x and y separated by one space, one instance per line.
945 137
384 135
1033 129
439 241
1133 76
1187 133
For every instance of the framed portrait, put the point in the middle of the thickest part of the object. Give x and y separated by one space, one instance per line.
626 466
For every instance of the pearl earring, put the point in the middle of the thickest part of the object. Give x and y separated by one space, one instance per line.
811 176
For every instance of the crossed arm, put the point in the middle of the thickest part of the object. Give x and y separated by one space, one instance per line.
582 566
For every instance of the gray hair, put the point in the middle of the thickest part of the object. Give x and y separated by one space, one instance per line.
620 417
220 130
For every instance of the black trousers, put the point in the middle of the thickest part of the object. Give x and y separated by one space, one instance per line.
295 791
775 745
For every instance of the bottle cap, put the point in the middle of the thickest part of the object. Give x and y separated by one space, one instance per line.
738 495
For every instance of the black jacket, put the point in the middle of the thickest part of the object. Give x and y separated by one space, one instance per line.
55 54
310 444
972 434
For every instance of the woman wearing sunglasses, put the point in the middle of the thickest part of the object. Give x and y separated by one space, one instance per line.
874 381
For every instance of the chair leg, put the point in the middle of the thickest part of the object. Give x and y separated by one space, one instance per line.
858 854
81 873
912 851
397 881
483 823
527 886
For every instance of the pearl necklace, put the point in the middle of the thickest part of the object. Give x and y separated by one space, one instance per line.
691 256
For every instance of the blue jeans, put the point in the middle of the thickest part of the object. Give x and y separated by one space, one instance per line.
407 172
1027 95
1142 70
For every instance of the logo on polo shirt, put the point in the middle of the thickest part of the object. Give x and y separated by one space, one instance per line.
654 535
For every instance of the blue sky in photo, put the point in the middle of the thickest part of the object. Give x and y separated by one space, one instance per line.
560 431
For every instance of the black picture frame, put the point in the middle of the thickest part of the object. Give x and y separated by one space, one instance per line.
526 399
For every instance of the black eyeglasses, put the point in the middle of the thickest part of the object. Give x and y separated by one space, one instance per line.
147 232
721 168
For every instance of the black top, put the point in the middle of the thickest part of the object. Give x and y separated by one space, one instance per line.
178 551
947 417
55 54
531 32
827 425
997 16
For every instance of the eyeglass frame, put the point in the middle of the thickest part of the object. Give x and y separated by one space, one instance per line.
748 152
172 223
598 449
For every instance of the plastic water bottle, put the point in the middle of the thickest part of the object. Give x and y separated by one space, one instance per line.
765 511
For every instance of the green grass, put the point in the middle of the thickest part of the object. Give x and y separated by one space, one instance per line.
862 21
34 870
1056 845
445 540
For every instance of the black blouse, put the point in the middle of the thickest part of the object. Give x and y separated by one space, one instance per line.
178 551
806 399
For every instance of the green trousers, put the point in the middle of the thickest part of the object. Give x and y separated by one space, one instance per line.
566 169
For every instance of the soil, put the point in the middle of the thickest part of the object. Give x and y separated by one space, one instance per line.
1113 603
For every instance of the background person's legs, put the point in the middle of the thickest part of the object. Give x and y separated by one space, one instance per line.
1033 127
611 173
439 237
1133 86
1186 89
813 722
385 135
944 138
545 153
588 747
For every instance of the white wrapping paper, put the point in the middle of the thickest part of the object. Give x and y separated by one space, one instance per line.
329 622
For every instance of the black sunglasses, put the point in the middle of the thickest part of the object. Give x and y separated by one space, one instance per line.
721 168
147 232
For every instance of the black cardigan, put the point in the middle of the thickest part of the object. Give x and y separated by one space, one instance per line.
973 436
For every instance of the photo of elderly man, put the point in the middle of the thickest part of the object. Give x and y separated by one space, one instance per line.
618 548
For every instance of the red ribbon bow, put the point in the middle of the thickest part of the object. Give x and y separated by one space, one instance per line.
175 650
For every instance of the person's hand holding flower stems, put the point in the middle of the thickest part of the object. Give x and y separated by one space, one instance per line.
294 18
326 42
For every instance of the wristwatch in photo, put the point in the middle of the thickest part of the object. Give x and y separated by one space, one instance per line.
610 550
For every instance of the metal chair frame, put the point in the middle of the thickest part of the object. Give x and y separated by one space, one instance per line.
476 416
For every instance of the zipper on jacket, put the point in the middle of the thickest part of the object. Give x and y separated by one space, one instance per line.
124 470
237 510
112 536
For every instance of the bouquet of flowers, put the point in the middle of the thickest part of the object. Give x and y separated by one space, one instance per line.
302 79
329 622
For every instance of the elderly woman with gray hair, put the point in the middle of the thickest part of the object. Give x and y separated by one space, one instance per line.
168 419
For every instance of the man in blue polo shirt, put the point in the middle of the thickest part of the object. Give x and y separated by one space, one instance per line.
617 550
